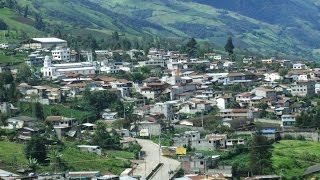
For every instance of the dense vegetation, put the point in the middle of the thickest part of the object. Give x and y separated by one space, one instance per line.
253 27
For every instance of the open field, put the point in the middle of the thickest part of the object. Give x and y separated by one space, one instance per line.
290 158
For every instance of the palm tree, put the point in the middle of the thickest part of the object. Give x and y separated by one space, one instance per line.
32 164
55 159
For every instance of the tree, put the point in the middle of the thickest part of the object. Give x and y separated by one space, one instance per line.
3 25
3 119
56 161
229 46
24 73
104 139
37 109
233 105
26 11
36 148
200 68
260 155
191 47
39 24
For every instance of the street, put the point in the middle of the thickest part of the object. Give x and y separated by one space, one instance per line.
152 160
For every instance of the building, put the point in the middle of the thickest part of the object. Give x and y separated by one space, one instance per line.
91 149
50 70
44 43
266 93
61 54
288 120
238 114
109 115
7 46
165 108
302 88
299 66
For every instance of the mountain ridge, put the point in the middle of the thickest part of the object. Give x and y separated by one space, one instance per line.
266 27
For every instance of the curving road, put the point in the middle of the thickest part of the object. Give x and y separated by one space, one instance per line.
152 160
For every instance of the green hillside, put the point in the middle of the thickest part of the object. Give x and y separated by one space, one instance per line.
290 158
264 27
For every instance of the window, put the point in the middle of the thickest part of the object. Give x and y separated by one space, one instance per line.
209 141
199 142
201 162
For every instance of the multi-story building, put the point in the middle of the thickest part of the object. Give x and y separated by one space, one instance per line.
238 114
302 88
267 93
61 54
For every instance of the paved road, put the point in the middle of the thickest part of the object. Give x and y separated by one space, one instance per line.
152 160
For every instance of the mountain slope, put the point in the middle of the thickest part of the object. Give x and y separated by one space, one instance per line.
270 27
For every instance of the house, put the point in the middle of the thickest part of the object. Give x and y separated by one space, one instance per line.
247 60
240 78
288 120
233 142
34 60
165 108
8 46
43 43
268 61
272 77
266 93
107 115
19 122
148 128
299 66
193 107
302 88
223 102
238 114
312 172
244 99
216 65
63 126
91 149
199 164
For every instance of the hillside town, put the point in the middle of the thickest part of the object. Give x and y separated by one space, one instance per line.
156 114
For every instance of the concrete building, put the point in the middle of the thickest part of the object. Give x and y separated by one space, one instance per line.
41 43
165 108
288 120
302 88
267 93
299 66
61 54
50 70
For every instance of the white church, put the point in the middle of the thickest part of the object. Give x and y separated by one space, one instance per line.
53 71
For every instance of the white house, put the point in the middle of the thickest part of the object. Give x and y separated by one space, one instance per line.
109 115
299 66
272 77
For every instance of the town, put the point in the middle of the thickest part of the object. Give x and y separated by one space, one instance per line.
155 114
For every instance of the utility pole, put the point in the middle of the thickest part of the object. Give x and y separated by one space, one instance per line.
202 118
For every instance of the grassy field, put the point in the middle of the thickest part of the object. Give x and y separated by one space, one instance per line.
290 158
12 157
26 109
11 59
